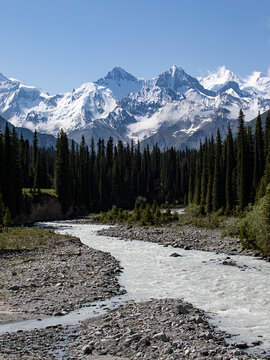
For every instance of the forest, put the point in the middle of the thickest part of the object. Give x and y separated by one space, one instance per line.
221 176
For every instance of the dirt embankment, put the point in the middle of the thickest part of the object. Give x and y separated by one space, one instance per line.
46 208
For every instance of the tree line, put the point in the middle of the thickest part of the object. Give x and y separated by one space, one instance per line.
222 176
22 166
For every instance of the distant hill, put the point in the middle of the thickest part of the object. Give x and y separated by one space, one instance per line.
252 123
44 140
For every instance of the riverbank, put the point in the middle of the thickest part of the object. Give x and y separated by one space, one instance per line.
54 277
188 237
158 329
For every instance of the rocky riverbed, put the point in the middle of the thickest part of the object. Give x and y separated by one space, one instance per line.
66 274
157 329
188 237
55 279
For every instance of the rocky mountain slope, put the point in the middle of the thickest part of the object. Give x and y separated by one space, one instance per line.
171 109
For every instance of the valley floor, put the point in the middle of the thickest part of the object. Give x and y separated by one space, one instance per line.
66 274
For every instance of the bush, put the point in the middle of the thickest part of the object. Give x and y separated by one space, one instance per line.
143 214
193 215
7 222
255 227
231 227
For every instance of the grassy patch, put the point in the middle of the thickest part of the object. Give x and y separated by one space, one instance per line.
193 216
30 192
20 238
230 226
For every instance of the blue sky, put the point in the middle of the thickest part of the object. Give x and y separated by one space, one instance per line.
59 44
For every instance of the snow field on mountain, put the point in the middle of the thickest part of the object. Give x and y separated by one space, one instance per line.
130 108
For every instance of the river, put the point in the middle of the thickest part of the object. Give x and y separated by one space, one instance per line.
236 297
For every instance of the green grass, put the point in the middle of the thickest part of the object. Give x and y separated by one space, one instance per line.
51 192
19 238
229 225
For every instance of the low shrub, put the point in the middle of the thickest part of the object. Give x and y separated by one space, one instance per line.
255 227
143 214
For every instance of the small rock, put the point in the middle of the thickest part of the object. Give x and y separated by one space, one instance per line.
175 255
87 350
14 288
161 336
241 345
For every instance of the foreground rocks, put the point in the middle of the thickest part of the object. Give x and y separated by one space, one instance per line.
158 329
188 237
54 280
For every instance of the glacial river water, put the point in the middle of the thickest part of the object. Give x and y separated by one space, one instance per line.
236 297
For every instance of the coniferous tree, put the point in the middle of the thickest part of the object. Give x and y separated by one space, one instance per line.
230 165
217 179
17 181
34 157
211 161
242 163
266 136
62 172
198 176
204 178
259 154
8 188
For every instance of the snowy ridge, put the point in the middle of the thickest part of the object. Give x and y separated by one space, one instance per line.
121 83
172 109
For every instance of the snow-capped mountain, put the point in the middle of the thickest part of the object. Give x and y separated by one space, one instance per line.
121 83
215 81
172 109
255 84
29 107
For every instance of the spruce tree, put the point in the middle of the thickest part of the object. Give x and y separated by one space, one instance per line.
204 179
198 177
8 189
267 135
62 172
230 165
217 192
211 161
242 164
259 154
18 181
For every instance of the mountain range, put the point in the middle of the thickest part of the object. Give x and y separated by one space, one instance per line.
171 109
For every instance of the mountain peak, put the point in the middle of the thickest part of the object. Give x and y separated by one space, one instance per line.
118 74
120 82
255 76
178 80
216 80
175 68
